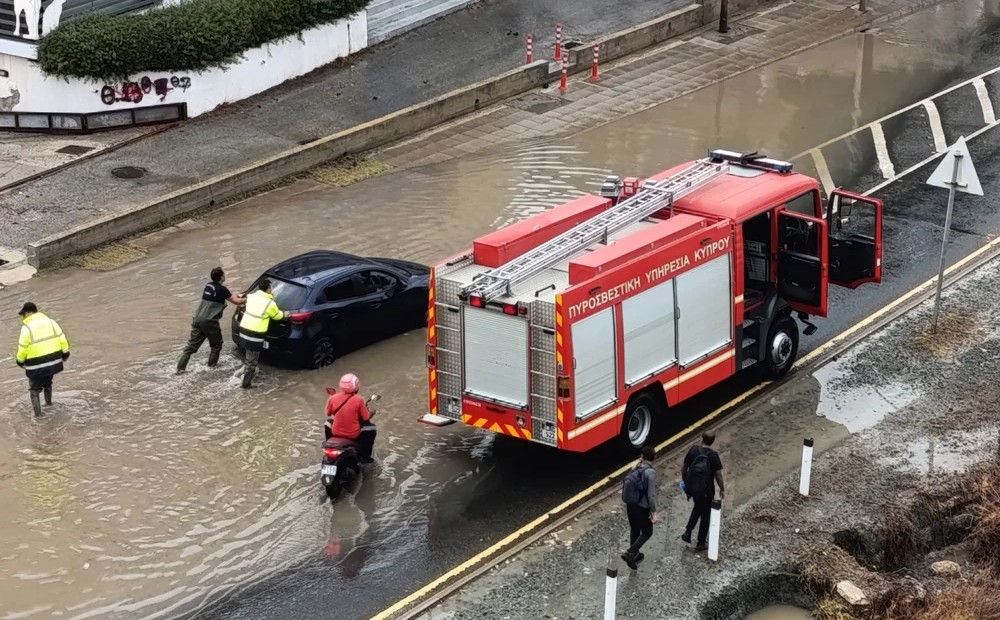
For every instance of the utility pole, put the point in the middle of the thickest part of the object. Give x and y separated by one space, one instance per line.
724 17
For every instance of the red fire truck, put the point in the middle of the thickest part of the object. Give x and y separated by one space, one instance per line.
586 322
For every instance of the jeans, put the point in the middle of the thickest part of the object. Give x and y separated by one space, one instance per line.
641 526
702 511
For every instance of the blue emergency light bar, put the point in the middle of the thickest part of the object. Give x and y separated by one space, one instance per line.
752 160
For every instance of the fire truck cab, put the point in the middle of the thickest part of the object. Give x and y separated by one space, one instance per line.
588 322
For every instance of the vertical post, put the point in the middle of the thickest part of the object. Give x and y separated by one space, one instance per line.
944 244
611 590
863 7
559 42
724 17
715 524
807 457
593 70
565 73
530 37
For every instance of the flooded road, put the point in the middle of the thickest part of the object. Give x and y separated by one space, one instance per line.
144 495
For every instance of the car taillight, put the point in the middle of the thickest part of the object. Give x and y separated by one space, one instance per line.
477 302
331 453
301 317
510 309
431 356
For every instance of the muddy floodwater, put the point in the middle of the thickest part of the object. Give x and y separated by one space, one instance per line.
145 495
781 612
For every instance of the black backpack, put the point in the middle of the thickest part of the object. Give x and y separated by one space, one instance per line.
699 475
634 486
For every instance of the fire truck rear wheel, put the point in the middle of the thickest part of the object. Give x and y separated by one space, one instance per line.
782 347
637 425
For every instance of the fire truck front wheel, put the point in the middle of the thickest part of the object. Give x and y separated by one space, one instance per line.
638 423
782 347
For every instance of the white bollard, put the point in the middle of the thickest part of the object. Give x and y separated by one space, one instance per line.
807 464
611 590
715 524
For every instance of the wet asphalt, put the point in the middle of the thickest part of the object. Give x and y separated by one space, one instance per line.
481 508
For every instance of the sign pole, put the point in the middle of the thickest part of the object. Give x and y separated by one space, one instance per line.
947 227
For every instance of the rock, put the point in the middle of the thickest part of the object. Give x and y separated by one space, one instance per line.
946 567
851 594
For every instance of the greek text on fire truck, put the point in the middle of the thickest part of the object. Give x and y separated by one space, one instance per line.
652 276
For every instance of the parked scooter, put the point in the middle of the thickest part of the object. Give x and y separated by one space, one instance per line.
340 457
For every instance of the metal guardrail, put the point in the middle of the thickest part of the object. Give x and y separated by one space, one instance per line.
65 122
935 125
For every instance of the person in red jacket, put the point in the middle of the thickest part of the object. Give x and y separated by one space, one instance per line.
348 417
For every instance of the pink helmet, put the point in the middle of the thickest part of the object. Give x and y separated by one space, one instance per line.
350 383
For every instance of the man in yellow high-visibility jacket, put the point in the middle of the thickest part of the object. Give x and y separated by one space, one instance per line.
41 351
260 309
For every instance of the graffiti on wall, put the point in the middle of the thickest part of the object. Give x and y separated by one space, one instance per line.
32 12
9 95
133 92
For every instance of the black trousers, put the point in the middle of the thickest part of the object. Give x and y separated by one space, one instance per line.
39 383
201 331
641 526
701 511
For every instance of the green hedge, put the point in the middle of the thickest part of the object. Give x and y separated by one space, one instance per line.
192 36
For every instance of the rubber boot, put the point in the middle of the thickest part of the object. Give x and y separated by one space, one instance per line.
213 357
248 378
36 403
183 362
47 392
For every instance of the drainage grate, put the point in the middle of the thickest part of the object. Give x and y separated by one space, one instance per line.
129 172
75 149
307 141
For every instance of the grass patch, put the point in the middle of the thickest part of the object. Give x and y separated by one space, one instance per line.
957 330
348 170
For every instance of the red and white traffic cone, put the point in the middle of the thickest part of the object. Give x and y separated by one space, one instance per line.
565 73
559 42
530 37
593 70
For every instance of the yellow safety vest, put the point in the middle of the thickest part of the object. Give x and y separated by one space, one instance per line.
41 346
260 309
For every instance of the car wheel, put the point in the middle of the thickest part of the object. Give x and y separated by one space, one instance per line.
323 353
782 348
637 425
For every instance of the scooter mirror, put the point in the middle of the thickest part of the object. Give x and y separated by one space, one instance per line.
374 397
331 391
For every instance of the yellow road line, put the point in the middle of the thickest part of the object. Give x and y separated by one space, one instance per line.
597 486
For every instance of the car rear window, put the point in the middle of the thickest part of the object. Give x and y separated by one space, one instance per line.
287 295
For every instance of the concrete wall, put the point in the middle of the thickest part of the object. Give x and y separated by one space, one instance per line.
390 128
27 89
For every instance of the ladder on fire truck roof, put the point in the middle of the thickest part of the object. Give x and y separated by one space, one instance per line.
651 198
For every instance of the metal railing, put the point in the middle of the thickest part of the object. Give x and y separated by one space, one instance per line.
77 123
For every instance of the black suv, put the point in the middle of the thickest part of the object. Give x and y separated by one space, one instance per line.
340 303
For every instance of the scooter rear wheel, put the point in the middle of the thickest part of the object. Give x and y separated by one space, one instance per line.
333 491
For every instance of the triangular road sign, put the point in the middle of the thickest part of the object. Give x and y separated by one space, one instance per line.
968 180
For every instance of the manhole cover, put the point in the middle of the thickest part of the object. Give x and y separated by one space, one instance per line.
736 33
75 149
536 103
128 172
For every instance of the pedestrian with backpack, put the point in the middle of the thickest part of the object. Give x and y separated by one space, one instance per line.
639 494
701 471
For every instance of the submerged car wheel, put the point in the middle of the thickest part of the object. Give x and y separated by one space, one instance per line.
323 353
